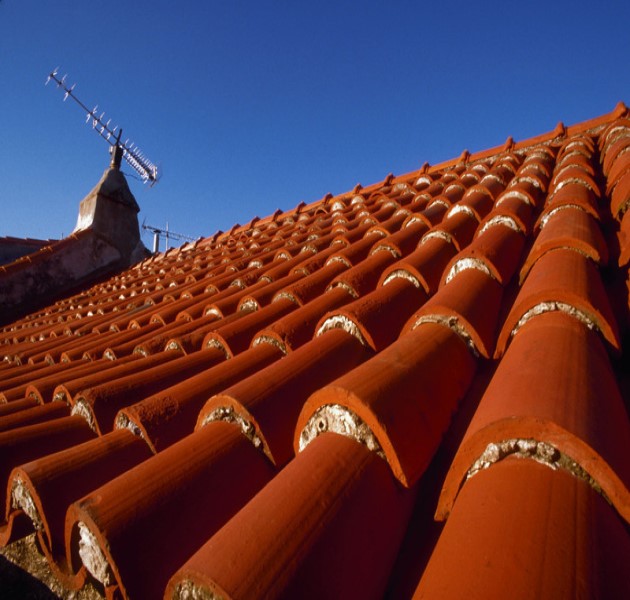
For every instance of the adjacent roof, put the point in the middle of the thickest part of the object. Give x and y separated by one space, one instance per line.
413 389
105 241
12 248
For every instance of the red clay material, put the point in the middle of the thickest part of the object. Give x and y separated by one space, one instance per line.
460 227
328 526
237 336
522 530
22 376
16 526
434 213
363 278
17 405
499 248
298 327
161 511
624 240
153 340
612 151
27 443
56 480
554 386
569 228
514 208
572 194
378 317
406 395
166 417
533 184
479 200
49 350
100 404
315 284
562 278
493 183
469 302
37 414
41 388
94 349
120 368
262 297
357 251
404 241
424 266
620 199
620 167
271 399
575 175
192 341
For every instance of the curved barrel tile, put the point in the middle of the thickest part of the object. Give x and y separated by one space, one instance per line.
98 405
298 327
389 401
424 266
267 404
569 228
334 512
45 487
469 304
497 251
562 280
173 501
377 318
554 399
167 416
523 530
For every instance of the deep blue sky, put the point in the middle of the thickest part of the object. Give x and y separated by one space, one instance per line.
256 105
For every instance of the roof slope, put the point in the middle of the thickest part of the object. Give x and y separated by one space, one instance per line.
414 389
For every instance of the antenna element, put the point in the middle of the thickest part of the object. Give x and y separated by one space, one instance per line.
127 150
166 234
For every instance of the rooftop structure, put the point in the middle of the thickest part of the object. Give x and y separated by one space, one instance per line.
415 389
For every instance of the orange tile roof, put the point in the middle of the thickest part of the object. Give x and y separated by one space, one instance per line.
414 389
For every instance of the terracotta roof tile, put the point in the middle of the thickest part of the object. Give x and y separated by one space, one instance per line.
387 401
562 280
99 404
571 228
333 508
469 304
45 488
287 399
127 530
267 403
167 416
496 251
297 327
564 539
554 399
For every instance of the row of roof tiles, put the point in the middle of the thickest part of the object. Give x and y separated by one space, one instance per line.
266 413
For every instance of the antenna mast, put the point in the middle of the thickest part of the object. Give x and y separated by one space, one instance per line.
166 234
127 150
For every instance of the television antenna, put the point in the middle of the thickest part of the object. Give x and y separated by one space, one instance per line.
147 171
166 234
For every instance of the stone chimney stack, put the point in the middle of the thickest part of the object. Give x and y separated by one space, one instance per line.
111 211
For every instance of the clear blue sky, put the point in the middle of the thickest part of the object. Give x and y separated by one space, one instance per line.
256 105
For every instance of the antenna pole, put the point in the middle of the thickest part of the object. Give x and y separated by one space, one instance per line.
166 234
117 156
